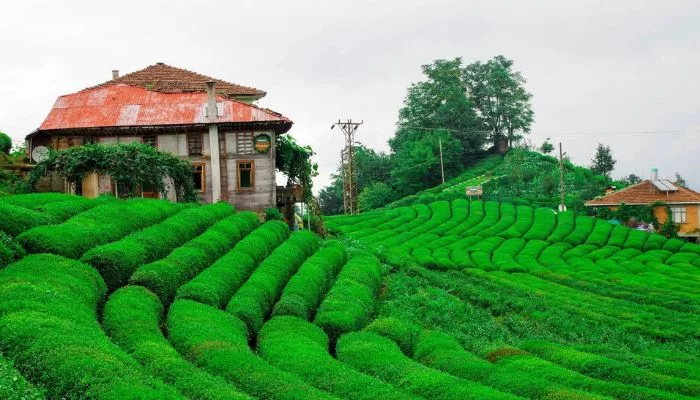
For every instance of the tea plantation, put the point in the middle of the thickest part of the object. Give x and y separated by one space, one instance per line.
144 299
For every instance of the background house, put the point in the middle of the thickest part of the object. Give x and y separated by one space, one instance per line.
662 195
212 123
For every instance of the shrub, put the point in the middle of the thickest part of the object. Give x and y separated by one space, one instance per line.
618 236
300 347
13 386
544 222
48 325
132 318
476 215
273 213
491 216
505 221
16 220
565 225
440 214
402 333
34 200
636 239
460 212
582 228
306 289
351 300
600 234
380 357
215 285
523 222
254 300
97 226
10 250
118 260
5 143
165 276
217 342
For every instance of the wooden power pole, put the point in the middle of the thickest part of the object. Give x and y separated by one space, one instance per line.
562 206
348 165
442 166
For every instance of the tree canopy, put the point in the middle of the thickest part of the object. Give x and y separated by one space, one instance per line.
603 162
295 162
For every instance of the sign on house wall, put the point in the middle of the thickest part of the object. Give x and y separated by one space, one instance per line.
262 143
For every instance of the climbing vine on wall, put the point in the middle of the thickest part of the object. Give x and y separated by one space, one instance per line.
134 165
630 214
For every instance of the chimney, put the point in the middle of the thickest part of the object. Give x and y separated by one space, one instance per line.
115 74
654 174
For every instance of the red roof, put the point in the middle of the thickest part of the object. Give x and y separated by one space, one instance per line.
120 105
168 79
645 193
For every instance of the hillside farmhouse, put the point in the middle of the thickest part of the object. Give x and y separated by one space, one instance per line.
661 195
212 123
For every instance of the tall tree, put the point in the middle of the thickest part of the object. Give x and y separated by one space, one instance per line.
498 93
603 162
680 180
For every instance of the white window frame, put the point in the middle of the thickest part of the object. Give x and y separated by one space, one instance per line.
679 215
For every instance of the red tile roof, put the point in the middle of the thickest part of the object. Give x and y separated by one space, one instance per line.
120 105
645 193
168 79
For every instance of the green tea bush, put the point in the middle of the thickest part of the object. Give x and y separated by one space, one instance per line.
506 220
306 288
351 300
565 225
216 284
609 369
682 257
491 215
551 257
460 212
583 227
600 234
603 252
33 200
63 210
13 386
165 276
476 215
10 250
544 221
48 326
16 219
380 357
523 223
655 242
691 248
579 251
636 239
440 212
618 236
301 348
504 256
404 334
132 318
217 342
97 226
255 299
116 261
673 244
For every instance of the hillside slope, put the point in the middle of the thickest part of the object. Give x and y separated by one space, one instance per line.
144 299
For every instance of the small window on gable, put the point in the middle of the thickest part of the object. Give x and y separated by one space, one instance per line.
246 175
244 142
199 177
678 215
150 140
194 144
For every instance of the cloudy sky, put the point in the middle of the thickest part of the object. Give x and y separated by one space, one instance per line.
624 73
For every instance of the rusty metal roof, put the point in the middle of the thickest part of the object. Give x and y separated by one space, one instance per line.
120 105
168 79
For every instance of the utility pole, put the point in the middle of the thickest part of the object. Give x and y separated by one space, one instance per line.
562 206
442 167
348 164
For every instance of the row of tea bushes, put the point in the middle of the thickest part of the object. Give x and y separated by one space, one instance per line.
48 326
163 277
306 288
132 318
351 300
118 260
97 226
301 348
10 250
217 342
216 284
254 300
16 219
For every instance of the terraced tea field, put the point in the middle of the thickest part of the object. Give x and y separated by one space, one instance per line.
144 299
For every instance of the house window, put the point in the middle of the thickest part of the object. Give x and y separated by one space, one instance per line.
90 140
194 144
199 177
678 215
246 174
244 143
150 140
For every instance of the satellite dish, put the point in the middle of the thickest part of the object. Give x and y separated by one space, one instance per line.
40 153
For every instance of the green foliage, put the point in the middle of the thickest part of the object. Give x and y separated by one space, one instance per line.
48 327
216 284
668 228
680 180
132 165
376 195
97 226
16 220
163 277
10 250
132 317
14 386
546 147
603 162
116 261
295 162
273 213
218 343
5 143
307 287
254 300
299 347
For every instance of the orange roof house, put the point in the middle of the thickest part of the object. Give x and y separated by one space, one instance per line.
684 203
210 122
